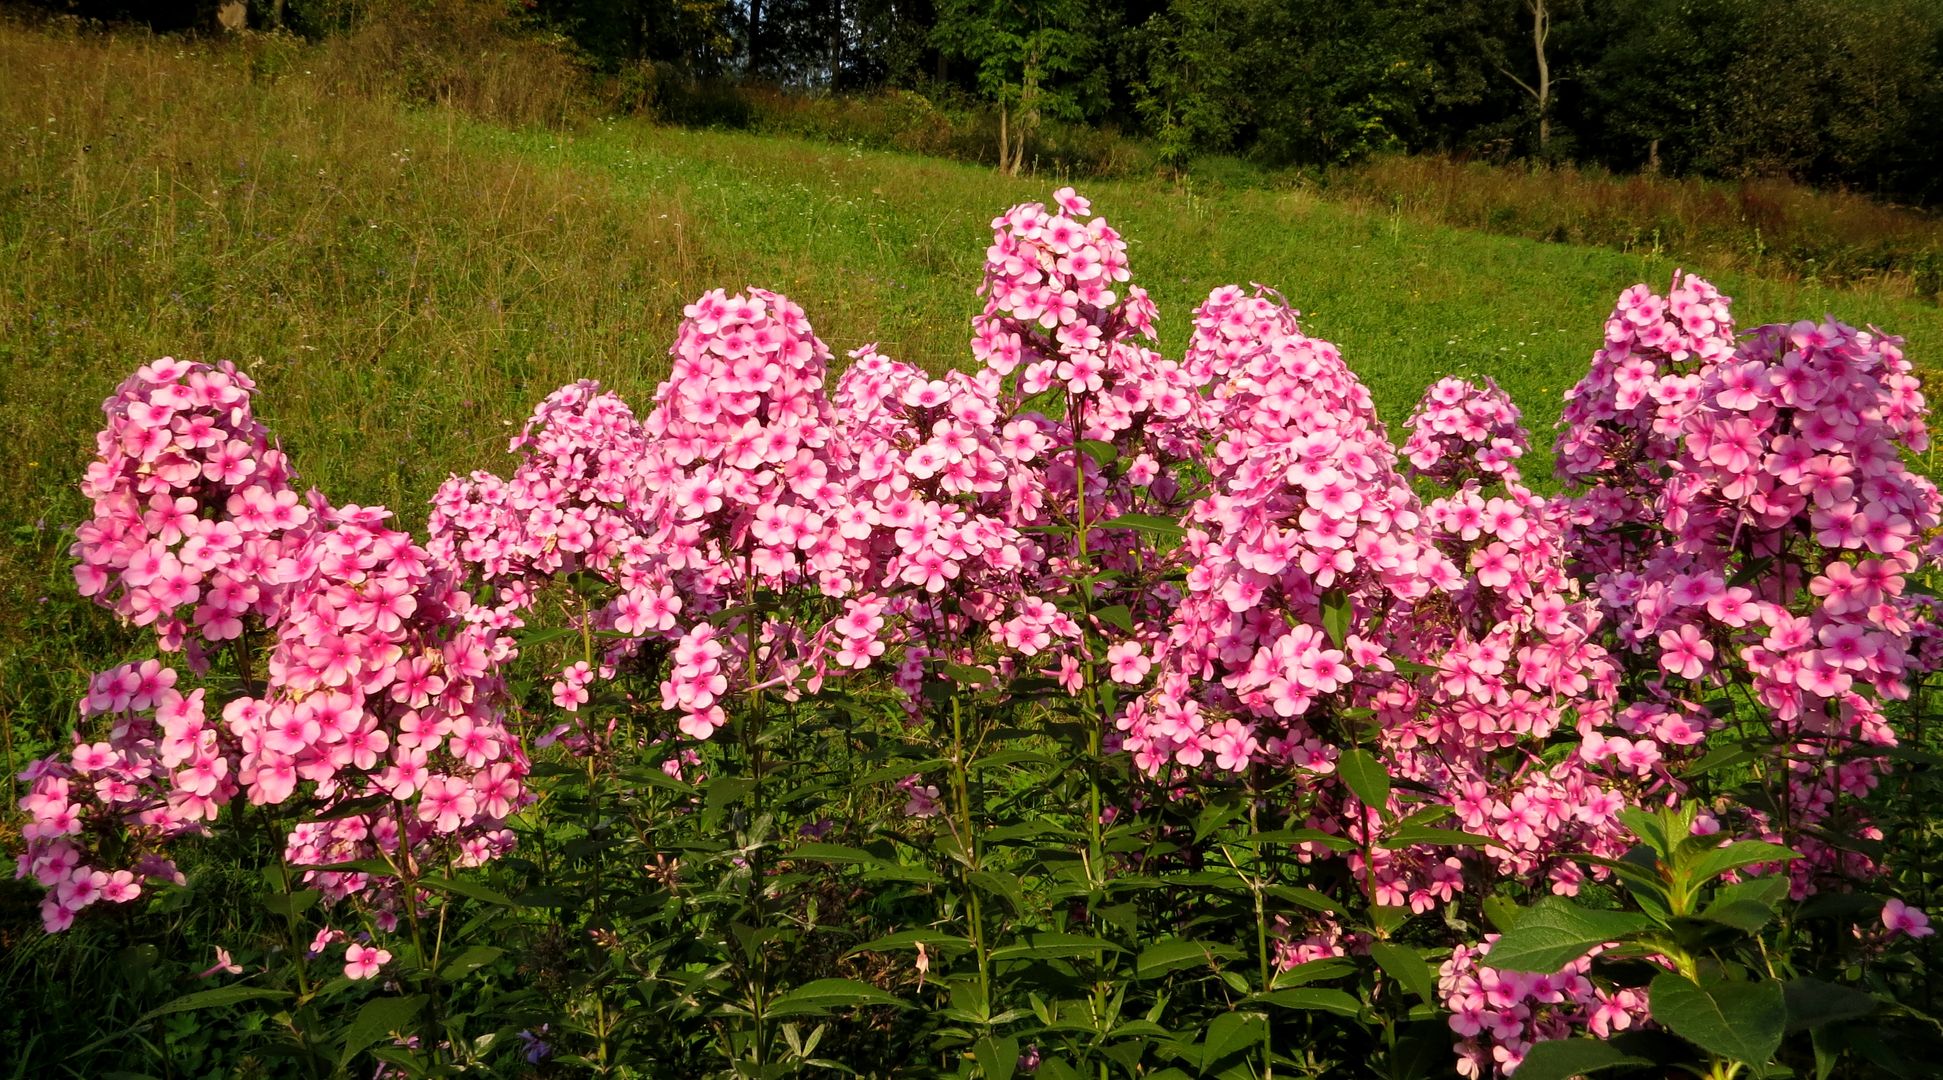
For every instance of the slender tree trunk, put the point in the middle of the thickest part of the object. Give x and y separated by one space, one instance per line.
755 37
1004 142
1541 29
836 41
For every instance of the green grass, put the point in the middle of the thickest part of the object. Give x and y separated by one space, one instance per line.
406 284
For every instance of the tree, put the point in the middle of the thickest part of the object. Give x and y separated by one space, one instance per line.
1025 53
1539 88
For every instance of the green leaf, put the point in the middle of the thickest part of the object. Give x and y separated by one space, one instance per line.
1311 998
1747 905
998 1058
1327 967
1054 946
1300 836
350 808
1562 1059
469 961
376 1021
1407 968
821 994
1366 777
1336 617
1500 912
471 889
291 904
1734 856
1303 896
540 635
210 999
1742 1021
911 939
1650 828
819 851
1229 1033
378 867
1411 835
1812 1003
1159 526
1103 452
1554 932
1428 816
1168 956
1117 615
1720 757
1004 886
967 675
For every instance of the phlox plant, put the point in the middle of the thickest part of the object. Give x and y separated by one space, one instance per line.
1089 712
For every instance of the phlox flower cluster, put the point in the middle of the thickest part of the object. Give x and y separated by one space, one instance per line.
375 685
1461 429
1306 508
379 687
1780 524
1523 652
1498 1015
1530 666
99 818
194 512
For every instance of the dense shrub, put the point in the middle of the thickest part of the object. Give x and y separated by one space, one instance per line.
1091 710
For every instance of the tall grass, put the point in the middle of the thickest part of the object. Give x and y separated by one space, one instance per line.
1768 227
397 295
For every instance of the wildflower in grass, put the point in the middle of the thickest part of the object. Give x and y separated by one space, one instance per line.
223 964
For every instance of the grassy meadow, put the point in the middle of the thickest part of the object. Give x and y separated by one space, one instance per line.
405 283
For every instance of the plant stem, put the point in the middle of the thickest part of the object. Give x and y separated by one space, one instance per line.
961 795
1255 887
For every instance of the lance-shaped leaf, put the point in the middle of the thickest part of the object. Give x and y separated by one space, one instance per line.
1554 932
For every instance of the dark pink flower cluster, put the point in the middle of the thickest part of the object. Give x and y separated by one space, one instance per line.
379 706
100 818
1756 525
1498 1015
193 508
1527 667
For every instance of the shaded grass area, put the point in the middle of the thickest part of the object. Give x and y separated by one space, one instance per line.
405 284
1767 227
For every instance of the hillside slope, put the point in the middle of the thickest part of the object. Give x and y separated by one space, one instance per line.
406 284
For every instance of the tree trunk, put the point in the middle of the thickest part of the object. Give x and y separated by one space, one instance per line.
1004 142
836 41
755 37
1541 29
